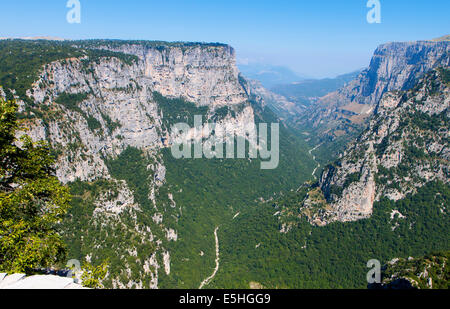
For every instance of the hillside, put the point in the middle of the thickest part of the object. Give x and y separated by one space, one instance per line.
385 198
404 147
394 66
307 92
106 108
428 272
338 118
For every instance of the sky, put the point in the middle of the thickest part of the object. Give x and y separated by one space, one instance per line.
316 38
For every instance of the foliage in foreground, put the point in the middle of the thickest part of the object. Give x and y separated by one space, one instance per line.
93 275
32 200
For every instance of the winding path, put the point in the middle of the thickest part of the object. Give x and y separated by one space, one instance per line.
216 269
208 280
314 158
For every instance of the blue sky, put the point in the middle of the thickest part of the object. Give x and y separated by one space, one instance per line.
317 37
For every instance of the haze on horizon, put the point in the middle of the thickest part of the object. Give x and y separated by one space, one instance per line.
316 39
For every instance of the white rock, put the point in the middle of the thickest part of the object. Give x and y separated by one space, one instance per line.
41 282
11 279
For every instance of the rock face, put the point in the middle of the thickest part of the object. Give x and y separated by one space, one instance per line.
204 74
93 108
394 66
404 147
119 97
41 282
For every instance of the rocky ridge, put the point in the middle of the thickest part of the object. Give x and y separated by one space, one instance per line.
404 147
394 66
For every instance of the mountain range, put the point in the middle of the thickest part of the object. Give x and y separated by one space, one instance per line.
270 75
106 108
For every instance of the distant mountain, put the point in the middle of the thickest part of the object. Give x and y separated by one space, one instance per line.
269 75
307 91
283 107
443 38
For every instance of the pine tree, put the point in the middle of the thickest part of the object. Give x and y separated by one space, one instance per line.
32 200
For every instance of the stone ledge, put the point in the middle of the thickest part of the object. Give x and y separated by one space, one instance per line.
44 282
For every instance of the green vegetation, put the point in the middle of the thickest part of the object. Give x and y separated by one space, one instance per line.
234 194
21 61
72 101
93 275
101 235
429 272
111 125
351 179
93 123
178 110
303 92
96 54
131 166
160 45
209 193
333 256
32 201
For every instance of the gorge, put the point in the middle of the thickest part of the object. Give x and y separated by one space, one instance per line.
106 108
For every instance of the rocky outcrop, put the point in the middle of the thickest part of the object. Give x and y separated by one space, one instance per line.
116 108
429 272
394 66
40 282
404 147
202 73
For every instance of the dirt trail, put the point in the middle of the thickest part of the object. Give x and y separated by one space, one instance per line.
314 158
209 279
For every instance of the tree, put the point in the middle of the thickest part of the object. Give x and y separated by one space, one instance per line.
93 275
32 200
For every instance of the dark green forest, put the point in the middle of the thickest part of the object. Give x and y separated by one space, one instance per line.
334 256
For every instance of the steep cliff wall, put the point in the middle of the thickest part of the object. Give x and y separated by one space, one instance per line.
404 147
203 74
113 104
394 66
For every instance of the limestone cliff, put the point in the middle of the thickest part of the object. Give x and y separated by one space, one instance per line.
205 74
394 66
404 147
